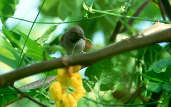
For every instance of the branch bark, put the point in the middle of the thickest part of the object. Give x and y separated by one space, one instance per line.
161 34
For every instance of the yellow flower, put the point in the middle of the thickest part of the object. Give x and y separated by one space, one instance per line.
58 104
72 100
78 93
77 75
69 101
67 78
76 68
75 82
56 91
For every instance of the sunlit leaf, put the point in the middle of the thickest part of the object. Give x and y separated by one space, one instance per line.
33 49
8 54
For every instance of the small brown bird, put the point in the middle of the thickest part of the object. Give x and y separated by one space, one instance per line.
74 40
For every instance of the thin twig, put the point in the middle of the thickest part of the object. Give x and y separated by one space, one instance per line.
21 54
135 94
118 25
115 31
162 10
137 12
56 23
27 96
167 8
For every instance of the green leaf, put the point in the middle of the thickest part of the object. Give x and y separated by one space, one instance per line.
83 102
71 8
50 7
104 73
161 65
161 76
63 8
150 54
8 54
89 3
7 8
167 86
7 57
17 39
7 94
46 35
154 87
33 49
12 37
151 8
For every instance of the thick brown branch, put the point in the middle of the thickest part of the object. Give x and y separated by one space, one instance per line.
144 39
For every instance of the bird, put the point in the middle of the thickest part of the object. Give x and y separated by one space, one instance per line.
74 41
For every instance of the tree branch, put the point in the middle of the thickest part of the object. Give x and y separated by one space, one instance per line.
161 34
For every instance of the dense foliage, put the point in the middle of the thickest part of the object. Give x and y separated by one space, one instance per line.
138 78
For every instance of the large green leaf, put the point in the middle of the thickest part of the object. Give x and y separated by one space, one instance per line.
161 76
33 49
159 80
12 37
8 54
